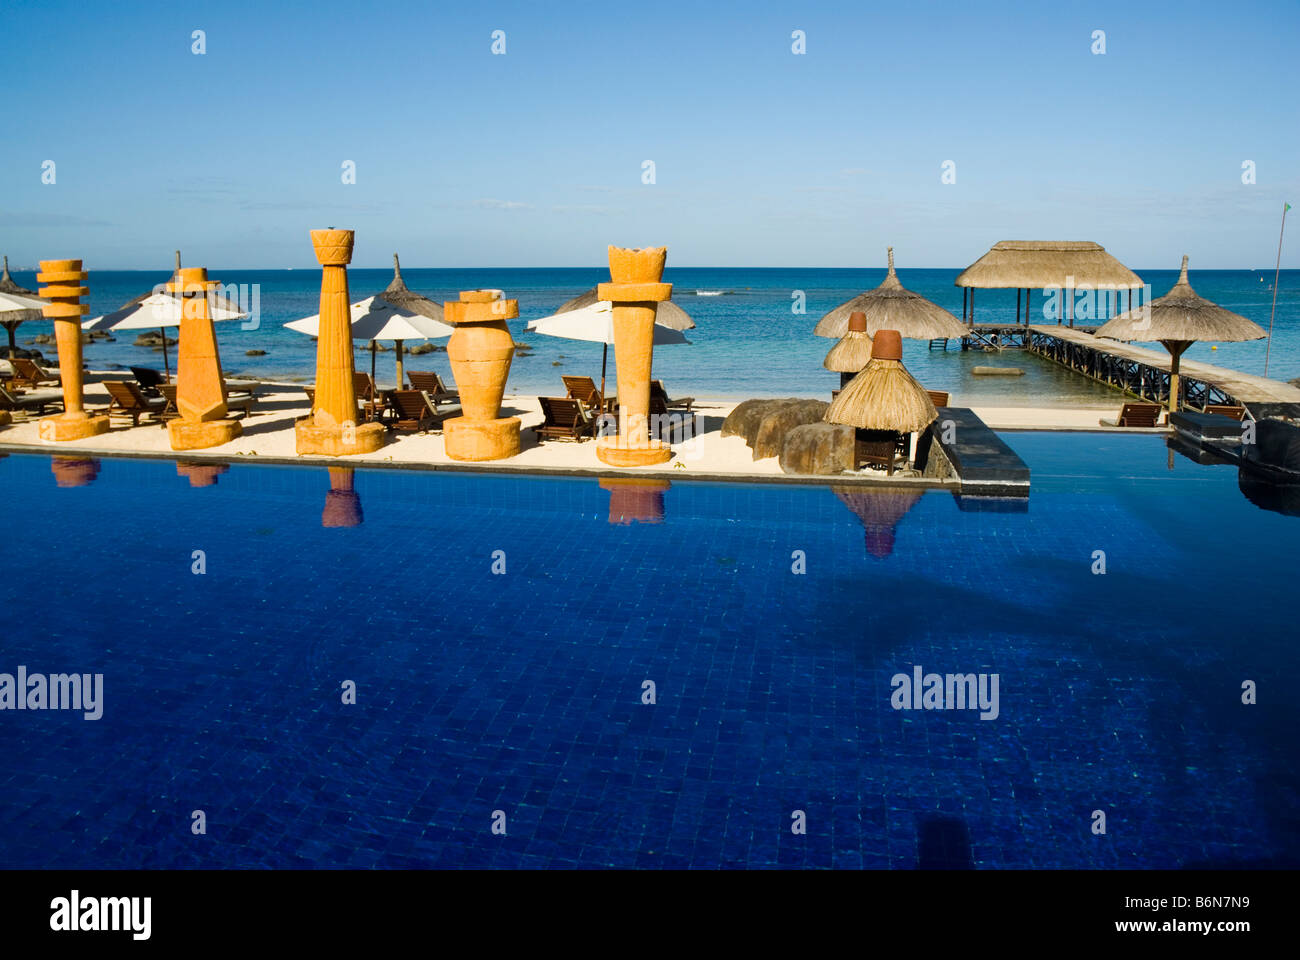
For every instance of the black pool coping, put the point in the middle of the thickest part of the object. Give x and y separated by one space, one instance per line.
985 465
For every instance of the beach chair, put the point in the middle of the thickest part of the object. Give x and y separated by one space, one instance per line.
241 397
657 391
1225 410
126 400
169 411
431 384
880 448
563 418
1136 415
584 389
28 374
412 412
363 384
149 380
26 401
938 397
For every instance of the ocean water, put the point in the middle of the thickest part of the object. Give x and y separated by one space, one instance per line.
748 340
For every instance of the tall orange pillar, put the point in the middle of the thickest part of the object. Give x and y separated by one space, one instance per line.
636 291
65 279
200 386
480 352
332 429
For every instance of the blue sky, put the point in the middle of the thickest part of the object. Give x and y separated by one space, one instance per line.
534 158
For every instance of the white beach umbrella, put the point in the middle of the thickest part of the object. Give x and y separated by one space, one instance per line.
376 319
595 324
159 311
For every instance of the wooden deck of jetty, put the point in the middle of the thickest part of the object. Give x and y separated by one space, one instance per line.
1140 371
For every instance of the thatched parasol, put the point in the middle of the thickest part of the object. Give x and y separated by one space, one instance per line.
1177 320
7 285
853 350
398 295
668 315
880 512
217 302
884 396
891 306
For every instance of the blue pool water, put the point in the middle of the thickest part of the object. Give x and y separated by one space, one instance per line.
521 692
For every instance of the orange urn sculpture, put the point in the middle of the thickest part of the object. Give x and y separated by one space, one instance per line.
636 292
480 352
200 386
64 289
331 430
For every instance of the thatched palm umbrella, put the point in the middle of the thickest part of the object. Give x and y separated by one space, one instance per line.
667 315
7 285
884 396
1177 320
891 306
880 512
853 350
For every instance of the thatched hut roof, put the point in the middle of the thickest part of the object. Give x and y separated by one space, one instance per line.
884 396
1038 264
7 284
668 314
891 306
399 296
852 351
1182 315
224 302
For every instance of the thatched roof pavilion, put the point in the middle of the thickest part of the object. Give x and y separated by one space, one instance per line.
891 306
399 296
225 303
668 313
884 396
1177 320
1043 264
852 352
8 285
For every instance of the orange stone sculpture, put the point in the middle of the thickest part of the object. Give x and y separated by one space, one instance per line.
342 502
200 386
332 430
480 352
633 500
64 286
636 292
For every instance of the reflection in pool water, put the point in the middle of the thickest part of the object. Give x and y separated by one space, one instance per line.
521 690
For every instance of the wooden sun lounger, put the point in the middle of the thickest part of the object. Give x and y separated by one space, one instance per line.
563 418
880 447
30 400
681 403
150 380
430 383
127 401
28 374
1136 415
584 389
938 397
412 412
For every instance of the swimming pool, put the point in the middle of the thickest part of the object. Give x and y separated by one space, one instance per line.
521 691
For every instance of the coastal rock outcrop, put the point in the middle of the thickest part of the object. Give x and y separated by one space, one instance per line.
819 448
764 423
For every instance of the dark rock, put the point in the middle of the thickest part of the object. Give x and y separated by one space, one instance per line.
254 353
819 448
420 349
745 419
152 339
779 421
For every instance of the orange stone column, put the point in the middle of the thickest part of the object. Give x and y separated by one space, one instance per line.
332 429
65 279
480 352
74 471
636 292
200 386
